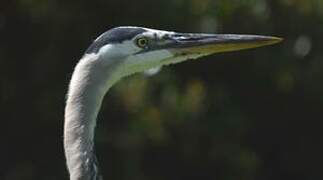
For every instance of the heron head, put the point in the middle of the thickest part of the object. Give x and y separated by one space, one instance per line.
137 49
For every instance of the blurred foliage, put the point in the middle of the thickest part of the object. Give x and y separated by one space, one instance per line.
246 115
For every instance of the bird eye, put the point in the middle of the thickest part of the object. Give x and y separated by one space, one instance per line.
142 42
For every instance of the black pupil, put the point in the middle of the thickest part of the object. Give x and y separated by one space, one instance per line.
142 42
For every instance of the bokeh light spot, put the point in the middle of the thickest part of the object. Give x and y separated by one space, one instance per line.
302 46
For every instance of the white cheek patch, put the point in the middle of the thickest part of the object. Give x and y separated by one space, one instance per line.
148 60
126 48
150 57
156 55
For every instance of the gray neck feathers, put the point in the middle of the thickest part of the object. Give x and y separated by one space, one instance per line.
90 82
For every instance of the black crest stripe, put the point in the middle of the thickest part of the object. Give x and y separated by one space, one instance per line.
115 35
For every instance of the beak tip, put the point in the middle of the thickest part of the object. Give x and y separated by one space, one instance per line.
275 40
268 40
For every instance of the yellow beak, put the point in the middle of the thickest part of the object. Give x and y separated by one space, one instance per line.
209 44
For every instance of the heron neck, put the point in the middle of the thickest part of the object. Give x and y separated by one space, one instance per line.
89 83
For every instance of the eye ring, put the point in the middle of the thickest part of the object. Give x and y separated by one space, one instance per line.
142 42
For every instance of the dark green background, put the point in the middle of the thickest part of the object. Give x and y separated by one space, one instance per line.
247 115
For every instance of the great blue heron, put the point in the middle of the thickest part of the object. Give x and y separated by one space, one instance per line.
120 52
